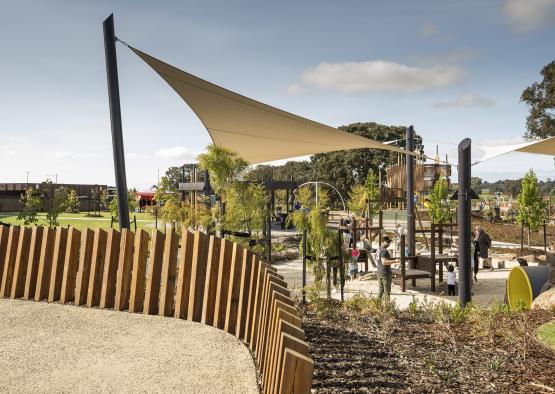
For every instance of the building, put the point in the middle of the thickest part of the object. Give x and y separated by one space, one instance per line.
89 195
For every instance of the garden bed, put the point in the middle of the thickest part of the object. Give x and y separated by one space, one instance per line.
360 348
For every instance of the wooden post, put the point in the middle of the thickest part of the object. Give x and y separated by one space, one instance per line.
109 276
21 262
33 264
233 290
138 273
184 275
198 276
211 283
4 235
83 273
296 374
71 265
244 286
433 258
169 267
123 277
154 272
9 262
97 268
45 264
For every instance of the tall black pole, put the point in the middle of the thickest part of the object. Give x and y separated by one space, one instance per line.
269 226
304 266
463 221
115 117
411 243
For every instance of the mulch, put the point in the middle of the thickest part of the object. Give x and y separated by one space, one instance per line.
406 355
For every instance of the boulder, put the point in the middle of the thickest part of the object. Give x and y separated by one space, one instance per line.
545 300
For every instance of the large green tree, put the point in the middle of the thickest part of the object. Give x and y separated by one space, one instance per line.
531 207
31 203
344 169
540 98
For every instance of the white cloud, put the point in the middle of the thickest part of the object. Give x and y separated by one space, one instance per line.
177 152
466 100
528 15
377 76
428 30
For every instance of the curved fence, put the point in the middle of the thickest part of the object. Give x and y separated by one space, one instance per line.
195 277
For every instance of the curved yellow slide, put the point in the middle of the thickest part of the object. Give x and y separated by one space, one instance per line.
524 284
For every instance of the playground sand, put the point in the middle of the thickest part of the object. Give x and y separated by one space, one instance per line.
63 348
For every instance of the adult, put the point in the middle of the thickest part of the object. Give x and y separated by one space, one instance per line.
483 243
384 262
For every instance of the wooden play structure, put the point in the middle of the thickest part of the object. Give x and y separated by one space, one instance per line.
427 265
194 277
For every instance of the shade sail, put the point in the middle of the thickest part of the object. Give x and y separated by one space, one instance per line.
257 132
543 147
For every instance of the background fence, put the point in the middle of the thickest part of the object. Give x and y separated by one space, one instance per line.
195 277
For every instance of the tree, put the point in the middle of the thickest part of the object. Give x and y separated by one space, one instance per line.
313 218
245 202
344 169
531 208
31 203
131 201
540 98
58 203
73 204
439 207
361 196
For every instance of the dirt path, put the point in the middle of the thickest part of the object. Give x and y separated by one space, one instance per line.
62 348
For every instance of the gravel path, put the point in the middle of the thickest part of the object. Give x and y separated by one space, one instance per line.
62 348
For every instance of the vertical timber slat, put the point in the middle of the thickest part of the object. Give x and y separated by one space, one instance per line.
97 267
153 274
109 276
198 276
33 264
71 265
220 309
9 261
83 273
21 262
123 277
233 290
184 275
169 268
138 274
45 264
211 284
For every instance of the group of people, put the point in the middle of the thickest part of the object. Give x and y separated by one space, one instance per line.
481 244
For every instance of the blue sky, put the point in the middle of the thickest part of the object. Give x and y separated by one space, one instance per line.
453 69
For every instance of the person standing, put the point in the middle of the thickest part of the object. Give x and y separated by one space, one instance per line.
451 280
384 261
484 243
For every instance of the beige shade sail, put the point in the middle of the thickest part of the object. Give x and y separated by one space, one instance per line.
543 147
257 132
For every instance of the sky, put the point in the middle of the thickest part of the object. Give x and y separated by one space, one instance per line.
453 69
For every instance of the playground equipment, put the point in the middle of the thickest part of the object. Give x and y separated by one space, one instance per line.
524 284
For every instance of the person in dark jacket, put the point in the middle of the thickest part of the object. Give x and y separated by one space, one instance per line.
484 243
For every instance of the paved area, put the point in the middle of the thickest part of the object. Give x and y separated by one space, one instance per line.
65 349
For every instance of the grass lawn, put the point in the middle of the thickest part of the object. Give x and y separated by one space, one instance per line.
81 220
547 333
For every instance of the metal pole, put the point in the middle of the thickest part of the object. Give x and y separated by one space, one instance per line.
304 266
115 117
464 220
341 265
269 224
411 243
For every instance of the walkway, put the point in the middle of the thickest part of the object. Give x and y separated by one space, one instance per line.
62 348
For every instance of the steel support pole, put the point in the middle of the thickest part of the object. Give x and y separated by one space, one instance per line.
464 221
304 266
269 225
115 117
341 264
411 240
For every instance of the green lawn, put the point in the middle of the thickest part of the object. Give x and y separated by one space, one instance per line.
547 333
81 220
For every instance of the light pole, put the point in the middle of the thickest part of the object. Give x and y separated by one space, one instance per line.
28 172
55 177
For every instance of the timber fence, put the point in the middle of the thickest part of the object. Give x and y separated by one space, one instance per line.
201 278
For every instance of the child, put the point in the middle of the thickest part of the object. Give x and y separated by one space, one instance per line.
353 264
451 280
